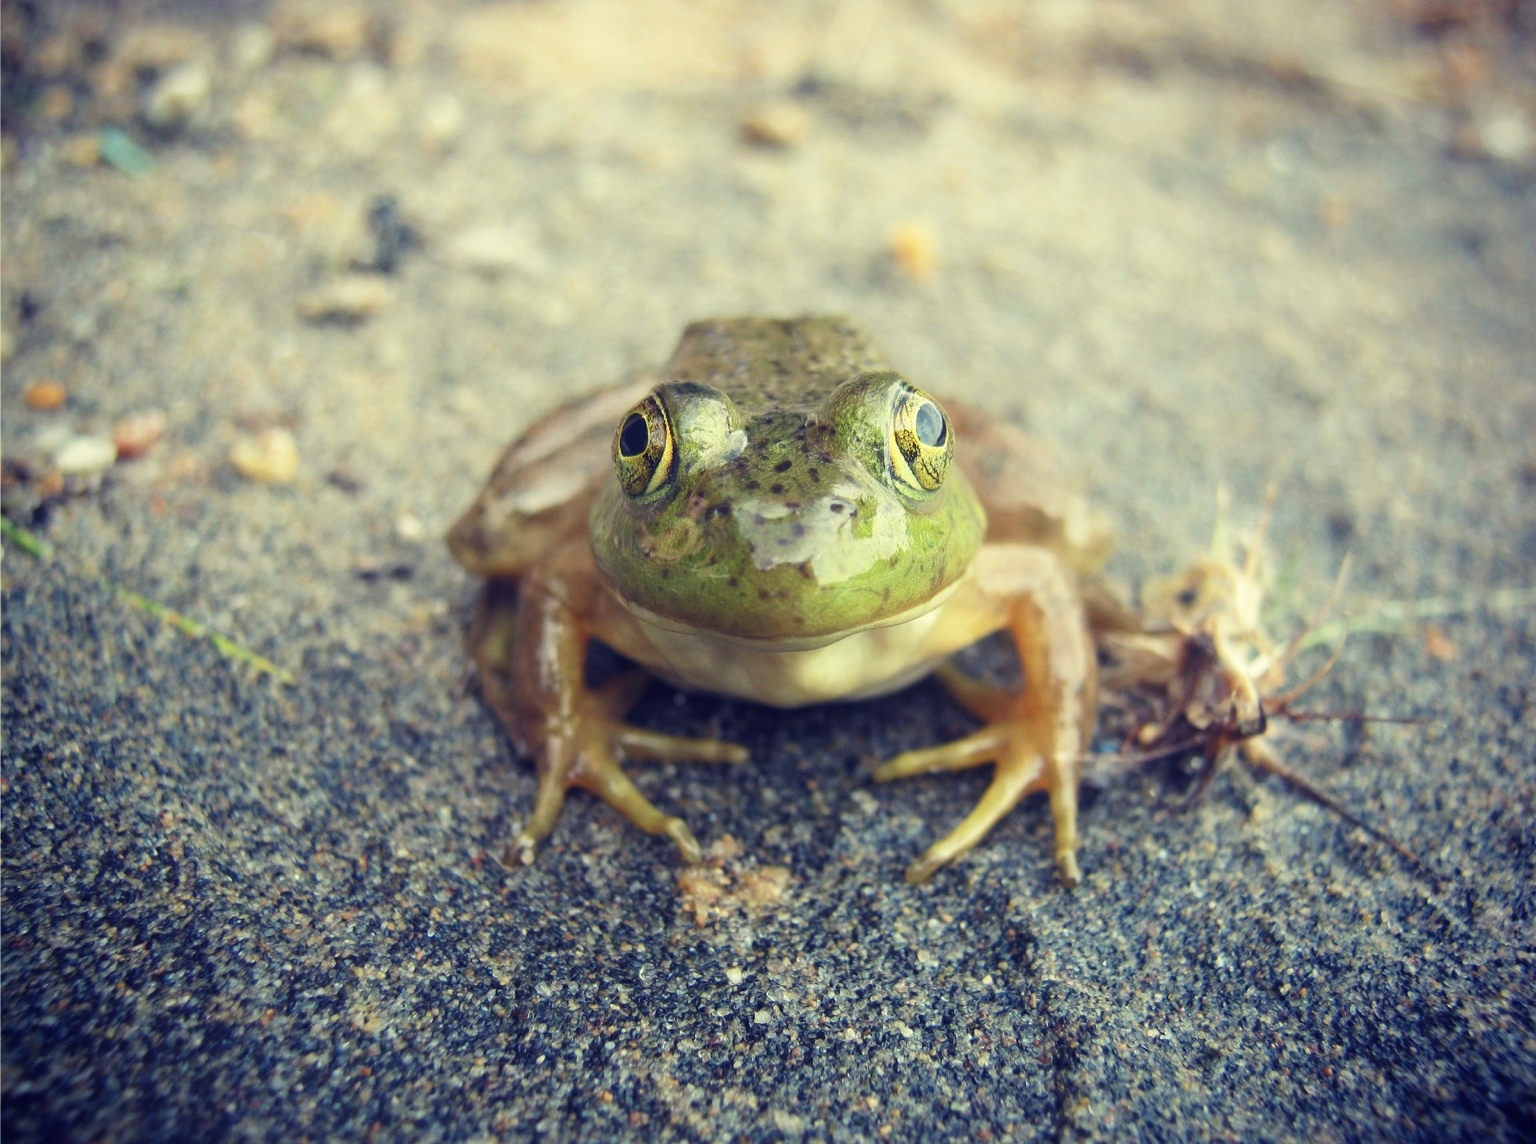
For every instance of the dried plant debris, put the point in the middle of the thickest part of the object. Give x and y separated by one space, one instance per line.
1197 676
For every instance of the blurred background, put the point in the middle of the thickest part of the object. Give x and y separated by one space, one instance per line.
377 227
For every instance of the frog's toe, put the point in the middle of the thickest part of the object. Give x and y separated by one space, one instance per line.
1009 784
522 850
1021 769
687 845
606 780
961 754
636 742
1067 868
546 809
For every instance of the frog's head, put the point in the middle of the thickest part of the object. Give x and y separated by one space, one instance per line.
791 522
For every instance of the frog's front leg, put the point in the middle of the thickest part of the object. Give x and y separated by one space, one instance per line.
531 646
1035 737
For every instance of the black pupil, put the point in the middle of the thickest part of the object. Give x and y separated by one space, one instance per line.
634 437
930 425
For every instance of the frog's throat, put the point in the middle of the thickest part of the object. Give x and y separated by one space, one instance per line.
785 643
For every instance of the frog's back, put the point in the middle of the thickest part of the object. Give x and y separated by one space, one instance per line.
1027 493
541 490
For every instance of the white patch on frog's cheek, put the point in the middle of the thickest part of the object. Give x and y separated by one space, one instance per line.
822 534
730 446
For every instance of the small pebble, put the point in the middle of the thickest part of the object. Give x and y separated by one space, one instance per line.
777 125
392 235
408 527
271 457
83 150
1334 210
914 251
497 249
47 394
176 98
441 121
117 150
82 455
250 47
345 480
49 485
135 434
1505 137
340 32
57 103
351 298
371 568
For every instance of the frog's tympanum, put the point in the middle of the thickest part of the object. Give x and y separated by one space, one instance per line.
784 518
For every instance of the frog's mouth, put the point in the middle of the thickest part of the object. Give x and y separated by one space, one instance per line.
784 643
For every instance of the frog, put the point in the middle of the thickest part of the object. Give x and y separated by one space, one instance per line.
779 515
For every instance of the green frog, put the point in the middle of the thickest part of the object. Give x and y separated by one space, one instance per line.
780 516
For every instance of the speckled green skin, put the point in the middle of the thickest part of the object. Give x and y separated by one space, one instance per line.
784 520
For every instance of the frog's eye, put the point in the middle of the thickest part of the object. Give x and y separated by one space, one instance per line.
643 452
920 445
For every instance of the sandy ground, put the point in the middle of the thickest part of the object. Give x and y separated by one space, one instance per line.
1194 244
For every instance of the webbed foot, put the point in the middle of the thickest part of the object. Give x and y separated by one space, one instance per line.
585 749
1025 749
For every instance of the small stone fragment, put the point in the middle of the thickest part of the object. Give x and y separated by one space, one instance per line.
135 434
270 457
345 480
340 32
82 150
57 103
762 888
371 569
1507 137
497 249
365 112
781 125
1334 210
47 394
409 528
914 251
176 98
250 47
117 150
1504 137
49 485
1438 645
350 299
80 456
159 46
441 121
392 235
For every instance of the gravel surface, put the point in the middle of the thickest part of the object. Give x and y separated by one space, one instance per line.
293 274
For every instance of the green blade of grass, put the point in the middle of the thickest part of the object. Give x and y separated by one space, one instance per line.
27 541
1397 617
34 545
